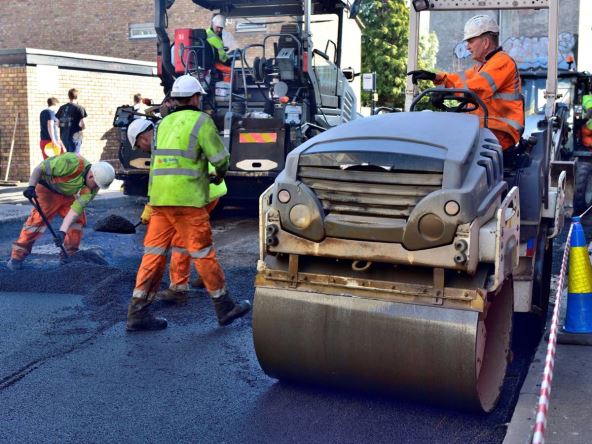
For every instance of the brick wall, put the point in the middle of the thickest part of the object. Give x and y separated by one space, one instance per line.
13 96
26 89
91 27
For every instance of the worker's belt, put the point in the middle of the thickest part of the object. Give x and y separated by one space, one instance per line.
50 188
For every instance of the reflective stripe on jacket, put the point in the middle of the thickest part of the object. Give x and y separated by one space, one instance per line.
65 174
186 140
217 43
497 83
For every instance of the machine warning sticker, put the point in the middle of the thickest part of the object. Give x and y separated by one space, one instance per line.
257 137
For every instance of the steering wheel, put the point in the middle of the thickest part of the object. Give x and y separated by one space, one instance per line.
467 101
386 110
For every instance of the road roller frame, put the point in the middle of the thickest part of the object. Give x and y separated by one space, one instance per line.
393 260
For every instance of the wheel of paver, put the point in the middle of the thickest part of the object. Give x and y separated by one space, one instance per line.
583 187
442 355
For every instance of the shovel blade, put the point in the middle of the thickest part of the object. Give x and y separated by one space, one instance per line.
115 224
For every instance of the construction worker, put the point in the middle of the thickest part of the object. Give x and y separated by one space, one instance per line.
214 37
587 127
186 140
494 78
63 185
140 135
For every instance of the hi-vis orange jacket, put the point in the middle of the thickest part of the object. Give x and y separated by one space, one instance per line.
497 83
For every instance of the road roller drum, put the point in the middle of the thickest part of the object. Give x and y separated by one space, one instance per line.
450 356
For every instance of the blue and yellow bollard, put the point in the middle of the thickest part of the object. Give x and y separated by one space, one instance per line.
578 316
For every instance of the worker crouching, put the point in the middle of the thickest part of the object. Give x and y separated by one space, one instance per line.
186 140
63 185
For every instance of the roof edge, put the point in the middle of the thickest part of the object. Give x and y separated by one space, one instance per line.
33 56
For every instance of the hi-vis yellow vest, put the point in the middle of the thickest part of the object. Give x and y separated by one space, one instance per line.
216 191
217 43
185 141
587 105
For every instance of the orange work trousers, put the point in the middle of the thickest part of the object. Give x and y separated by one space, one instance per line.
180 266
51 204
192 225
586 136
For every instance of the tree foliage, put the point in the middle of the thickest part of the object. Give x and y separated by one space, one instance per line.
384 48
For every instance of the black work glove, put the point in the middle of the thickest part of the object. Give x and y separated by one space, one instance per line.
216 180
59 240
29 192
421 74
221 172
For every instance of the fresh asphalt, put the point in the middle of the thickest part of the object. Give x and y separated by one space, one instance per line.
70 373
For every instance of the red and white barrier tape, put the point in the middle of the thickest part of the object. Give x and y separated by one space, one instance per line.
541 417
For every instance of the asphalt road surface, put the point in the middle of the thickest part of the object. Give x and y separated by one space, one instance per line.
70 373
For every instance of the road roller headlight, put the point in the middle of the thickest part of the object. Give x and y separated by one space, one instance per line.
300 216
284 196
301 212
431 227
452 208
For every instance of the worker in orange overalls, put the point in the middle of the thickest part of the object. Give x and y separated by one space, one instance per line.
186 141
140 134
494 78
63 185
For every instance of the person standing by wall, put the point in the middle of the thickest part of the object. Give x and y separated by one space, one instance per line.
139 105
72 122
50 131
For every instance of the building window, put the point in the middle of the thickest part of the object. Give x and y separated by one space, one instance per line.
251 27
142 31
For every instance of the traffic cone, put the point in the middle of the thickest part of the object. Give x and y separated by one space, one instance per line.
578 315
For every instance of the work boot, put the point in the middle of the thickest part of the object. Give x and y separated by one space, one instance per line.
172 296
197 283
14 264
146 323
227 310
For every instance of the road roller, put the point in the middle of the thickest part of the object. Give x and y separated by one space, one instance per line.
396 251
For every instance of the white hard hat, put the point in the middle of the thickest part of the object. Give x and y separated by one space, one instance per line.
137 127
186 86
103 174
219 20
479 25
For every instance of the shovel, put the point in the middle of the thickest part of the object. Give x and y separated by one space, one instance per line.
81 256
35 204
115 224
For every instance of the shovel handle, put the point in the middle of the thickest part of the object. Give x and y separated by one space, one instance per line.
35 204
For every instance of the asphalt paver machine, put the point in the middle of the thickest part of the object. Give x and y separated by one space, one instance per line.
275 94
396 250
